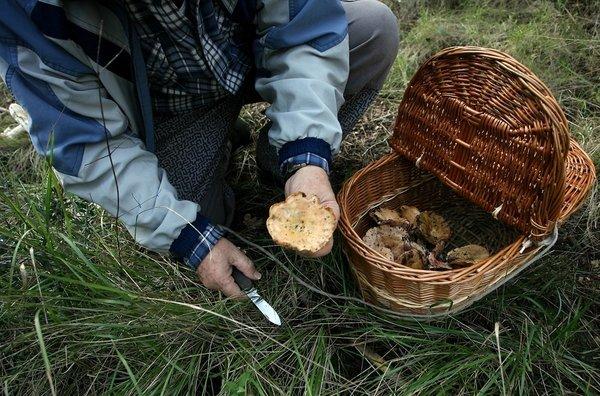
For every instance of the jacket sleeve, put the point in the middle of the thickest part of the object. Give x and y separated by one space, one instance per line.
302 68
92 148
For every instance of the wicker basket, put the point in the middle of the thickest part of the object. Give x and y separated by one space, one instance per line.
481 140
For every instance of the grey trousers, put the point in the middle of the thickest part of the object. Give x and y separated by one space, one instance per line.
193 147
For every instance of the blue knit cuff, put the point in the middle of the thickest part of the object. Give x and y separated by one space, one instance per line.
195 241
312 145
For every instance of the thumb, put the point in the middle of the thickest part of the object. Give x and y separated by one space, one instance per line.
334 207
245 265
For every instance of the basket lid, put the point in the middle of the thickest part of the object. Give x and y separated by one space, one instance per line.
487 127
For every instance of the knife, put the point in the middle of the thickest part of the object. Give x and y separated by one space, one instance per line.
248 288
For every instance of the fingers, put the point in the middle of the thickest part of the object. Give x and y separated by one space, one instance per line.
230 288
223 282
245 265
313 180
334 206
324 250
215 271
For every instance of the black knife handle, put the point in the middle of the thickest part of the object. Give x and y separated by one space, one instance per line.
242 280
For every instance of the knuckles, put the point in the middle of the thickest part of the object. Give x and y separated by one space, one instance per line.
212 279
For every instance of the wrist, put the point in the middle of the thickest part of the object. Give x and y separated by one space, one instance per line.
312 171
206 242
195 241
309 180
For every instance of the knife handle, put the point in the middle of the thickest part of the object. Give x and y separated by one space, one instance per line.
242 280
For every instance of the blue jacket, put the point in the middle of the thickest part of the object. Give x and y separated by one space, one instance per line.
76 67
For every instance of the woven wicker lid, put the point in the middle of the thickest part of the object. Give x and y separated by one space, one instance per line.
491 130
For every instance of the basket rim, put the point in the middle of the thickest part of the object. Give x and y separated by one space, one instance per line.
454 275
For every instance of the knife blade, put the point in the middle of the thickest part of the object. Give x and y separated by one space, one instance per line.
248 288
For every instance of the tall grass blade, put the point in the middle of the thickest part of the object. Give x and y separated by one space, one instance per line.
40 338
129 372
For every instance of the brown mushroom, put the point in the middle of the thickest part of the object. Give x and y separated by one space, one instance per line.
409 254
389 217
433 227
467 255
410 213
436 264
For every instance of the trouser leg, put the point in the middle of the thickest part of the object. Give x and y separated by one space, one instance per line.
373 42
194 150
218 204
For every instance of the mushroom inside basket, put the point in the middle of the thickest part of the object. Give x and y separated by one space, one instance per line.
469 226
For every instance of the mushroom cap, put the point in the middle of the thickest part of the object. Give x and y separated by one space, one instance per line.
410 213
390 217
433 227
467 255
394 244
301 223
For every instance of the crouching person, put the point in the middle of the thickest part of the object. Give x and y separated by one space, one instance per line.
137 101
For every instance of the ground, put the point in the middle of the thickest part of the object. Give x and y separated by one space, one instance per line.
83 313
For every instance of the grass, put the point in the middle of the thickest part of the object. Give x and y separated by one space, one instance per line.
74 319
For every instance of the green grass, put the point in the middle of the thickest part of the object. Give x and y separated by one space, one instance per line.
75 319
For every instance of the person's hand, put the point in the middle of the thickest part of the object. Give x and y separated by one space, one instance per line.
314 180
215 270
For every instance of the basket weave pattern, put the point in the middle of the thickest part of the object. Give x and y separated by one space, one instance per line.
476 131
491 130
